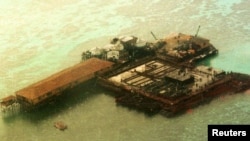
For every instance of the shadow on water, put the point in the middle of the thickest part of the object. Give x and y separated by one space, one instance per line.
187 111
207 61
146 113
69 99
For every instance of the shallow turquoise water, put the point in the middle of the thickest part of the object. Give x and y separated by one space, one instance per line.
39 38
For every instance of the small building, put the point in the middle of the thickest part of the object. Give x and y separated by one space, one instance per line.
179 77
113 55
7 101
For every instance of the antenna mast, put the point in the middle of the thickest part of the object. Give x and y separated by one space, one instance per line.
197 31
153 35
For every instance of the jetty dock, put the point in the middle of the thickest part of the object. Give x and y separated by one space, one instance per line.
46 89
155 77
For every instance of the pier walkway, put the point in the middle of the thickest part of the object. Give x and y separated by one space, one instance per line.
52 86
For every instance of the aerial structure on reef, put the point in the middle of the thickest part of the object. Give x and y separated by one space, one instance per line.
155 77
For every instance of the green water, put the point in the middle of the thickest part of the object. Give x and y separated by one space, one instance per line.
39 38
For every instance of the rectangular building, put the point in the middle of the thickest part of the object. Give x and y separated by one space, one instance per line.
52 86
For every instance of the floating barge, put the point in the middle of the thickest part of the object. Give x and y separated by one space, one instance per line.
158 86
167 81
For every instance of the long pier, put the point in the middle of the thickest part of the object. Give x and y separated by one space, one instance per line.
48 88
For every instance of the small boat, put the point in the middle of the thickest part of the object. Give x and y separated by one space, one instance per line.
60 125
